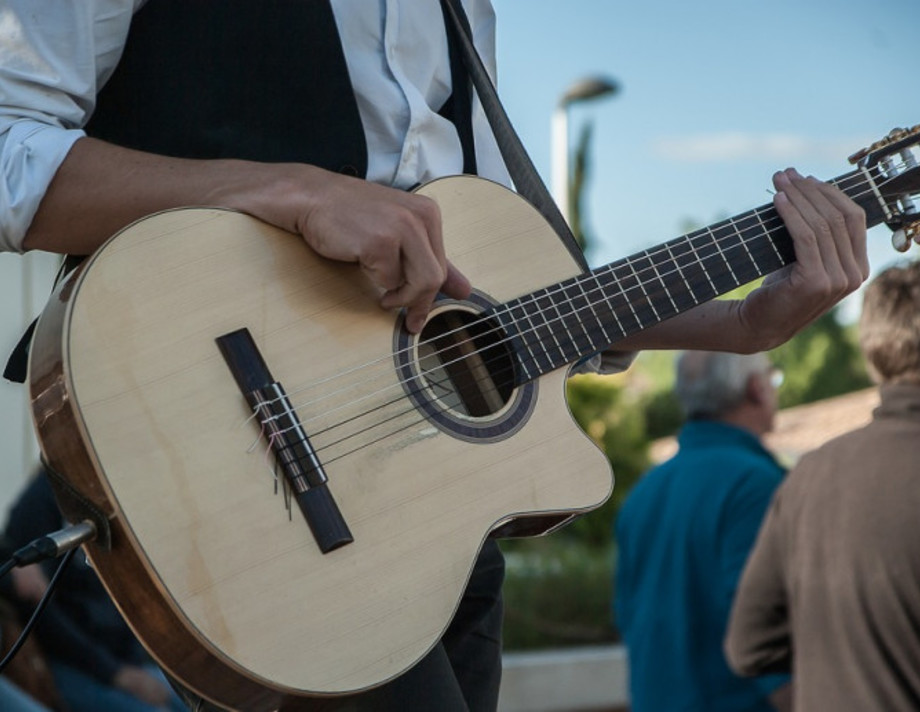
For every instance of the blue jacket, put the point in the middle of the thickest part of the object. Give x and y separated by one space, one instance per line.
683 537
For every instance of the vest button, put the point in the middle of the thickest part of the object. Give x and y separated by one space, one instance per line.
349 170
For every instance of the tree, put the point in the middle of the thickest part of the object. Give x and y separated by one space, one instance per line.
821 361
577 183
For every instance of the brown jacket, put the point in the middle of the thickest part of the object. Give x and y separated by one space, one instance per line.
832 588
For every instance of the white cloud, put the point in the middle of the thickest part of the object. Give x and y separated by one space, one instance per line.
734 146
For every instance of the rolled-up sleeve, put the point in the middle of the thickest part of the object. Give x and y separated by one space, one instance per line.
53 57
30 154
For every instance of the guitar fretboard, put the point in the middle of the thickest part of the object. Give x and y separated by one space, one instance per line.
568 321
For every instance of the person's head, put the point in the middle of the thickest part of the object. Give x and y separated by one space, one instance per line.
734 388
889 327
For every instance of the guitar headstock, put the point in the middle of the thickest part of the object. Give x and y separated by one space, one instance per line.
894 166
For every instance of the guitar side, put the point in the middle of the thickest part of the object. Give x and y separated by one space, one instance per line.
135 406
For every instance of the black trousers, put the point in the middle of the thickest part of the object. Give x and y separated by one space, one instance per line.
462 673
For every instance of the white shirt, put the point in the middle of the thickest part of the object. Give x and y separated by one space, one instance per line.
55 55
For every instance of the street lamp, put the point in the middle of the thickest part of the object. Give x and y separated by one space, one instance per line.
582 90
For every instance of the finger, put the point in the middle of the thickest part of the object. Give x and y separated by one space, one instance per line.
430 214
830 215
382 262
839 225
807 251
417 306
422 279
456 285
855 225
812 224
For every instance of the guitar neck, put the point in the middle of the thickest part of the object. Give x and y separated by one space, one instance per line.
573 319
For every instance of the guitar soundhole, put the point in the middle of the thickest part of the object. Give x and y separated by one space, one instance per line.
459 371
465 363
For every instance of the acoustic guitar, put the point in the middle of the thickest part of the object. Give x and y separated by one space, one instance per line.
290 489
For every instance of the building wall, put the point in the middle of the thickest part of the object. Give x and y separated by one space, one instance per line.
25 282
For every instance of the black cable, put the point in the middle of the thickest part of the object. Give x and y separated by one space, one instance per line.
38 609
64 541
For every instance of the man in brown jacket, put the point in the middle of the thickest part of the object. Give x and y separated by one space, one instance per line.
832 588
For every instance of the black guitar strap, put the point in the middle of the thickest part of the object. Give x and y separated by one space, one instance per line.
523 173
459 107
17 365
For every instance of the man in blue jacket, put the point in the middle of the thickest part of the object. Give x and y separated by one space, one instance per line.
684 535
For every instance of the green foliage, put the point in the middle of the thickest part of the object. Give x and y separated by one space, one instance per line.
603 408
663 414
577 182
556 594
820 362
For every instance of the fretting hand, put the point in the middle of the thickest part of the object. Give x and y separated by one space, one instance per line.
829 233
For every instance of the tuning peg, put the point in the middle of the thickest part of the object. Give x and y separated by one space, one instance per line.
900 241
902 237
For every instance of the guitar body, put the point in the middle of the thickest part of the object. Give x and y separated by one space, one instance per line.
218 575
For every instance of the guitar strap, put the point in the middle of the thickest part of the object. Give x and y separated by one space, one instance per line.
523 173
459 107
17 365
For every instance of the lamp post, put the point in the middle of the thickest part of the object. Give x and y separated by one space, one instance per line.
581 90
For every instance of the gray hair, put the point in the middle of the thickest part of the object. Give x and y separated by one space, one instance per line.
889 327
711 383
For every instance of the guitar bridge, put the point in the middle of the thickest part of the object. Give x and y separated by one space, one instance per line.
294 454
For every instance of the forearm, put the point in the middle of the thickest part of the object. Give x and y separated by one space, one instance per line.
714 326
393 235
100 188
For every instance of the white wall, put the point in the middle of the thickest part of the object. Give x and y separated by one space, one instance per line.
25 283
571 680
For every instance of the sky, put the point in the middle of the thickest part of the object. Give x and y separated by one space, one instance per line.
716 95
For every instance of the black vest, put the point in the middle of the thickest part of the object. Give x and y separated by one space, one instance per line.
263 80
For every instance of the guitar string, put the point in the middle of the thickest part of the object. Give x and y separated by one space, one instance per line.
648 254
390 432
575 310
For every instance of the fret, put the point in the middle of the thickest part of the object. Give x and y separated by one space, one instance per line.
678 289
622 284
662 302
735 249
717 243
631 263
698 259
774 217
664 286
601 308
743 240
680 271
513 337
531 337
692 271
635 294
575 296
549 307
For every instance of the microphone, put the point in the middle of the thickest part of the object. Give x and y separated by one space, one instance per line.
56 543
